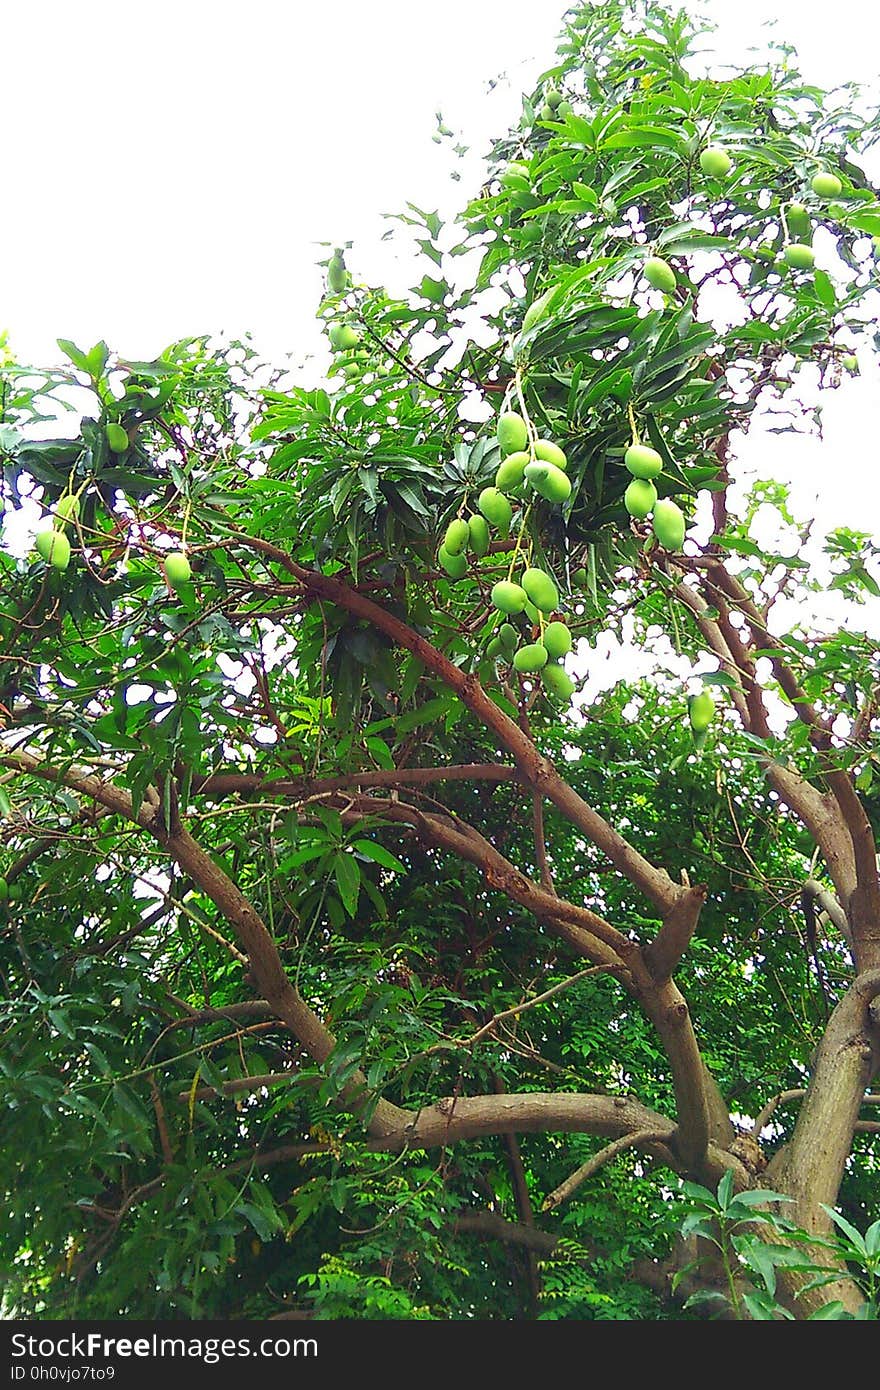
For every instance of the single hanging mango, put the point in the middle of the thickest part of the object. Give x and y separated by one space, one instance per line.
643 462
343 337
826 185
701 710
557 640
557 681
540 589
478 535
117 438
337 275
798 221
551 453
510 471
457 535
508 597
177 569
799 257
496 509
640 498
659 275
669 524
511 432
454 565
715 162
548 480
54 547
531 658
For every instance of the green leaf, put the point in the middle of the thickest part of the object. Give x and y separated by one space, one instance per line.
76 355
379 855
694 241
348 881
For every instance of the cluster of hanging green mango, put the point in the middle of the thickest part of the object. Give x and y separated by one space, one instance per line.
530 469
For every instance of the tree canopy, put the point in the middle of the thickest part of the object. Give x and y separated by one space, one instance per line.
364 952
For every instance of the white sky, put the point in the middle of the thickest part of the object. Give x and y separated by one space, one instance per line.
172 168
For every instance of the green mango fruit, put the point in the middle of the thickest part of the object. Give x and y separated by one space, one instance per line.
640 497
547 112
508 597
531 658
826 185
579 578
553 97
565 108
478 535
510 471
514 173
454 565
798 221
54 547
508 636
4 890
643 462
669 524
67 507
457 536
701 711
659 275
511 432
540 588
177 569
496 509
556 681
548 480
495 648
532 613
337 275
551 453
715 162
557 639
117 438
850 362
343 337
536 311
799 257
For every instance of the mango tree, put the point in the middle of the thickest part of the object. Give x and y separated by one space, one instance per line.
363 952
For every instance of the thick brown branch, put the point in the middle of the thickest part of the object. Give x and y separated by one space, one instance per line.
537 771
259 947
589 933
701 1111
819 814
862 902
811 1166
541 843
222 784
669 945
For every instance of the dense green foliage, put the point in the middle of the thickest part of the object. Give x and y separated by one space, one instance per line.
143 1172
